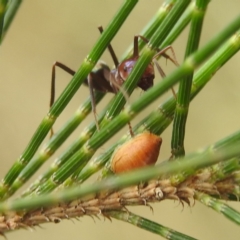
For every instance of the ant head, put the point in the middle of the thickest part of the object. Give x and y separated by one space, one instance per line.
125 68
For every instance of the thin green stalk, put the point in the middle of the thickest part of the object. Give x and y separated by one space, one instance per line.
65 156
71 150
185 69
237 177
223 170
160 119
87 151
67 95
62 159
9 16
221 56
80 158
3 9
174 33
179 26
195 161
236 192
53 144
201 78
148 225
143 61
152 26
225 177
219 207
97 163
183 98
180 177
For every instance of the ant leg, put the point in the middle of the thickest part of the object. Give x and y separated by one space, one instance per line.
161 72
160 52
130 129
116 86
63 67
110 49
135 44
90 85
70 71
52 95
101 81
91 78
160 69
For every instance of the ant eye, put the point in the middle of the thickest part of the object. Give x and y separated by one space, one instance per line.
125 69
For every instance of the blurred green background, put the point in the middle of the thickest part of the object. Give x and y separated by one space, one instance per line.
46 31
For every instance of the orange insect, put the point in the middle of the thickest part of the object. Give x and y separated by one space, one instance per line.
140 151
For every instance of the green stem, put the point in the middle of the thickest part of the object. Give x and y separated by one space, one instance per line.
152 26
195 161
52 145
219 207
183 99
3 9
161 118
80 158
148 225
67 95
180 177
145 59
223 170
179 26
61 159
156 122
9 16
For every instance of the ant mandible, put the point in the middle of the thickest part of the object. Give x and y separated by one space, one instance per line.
106 80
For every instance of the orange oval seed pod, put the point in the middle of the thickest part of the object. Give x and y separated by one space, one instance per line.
140 151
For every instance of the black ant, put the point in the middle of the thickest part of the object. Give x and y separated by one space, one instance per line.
106 80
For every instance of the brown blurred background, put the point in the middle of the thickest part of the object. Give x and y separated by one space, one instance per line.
46 31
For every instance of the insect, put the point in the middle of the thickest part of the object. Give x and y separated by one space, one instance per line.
105 80
142 150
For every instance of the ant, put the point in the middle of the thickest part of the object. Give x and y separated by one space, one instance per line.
106 80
